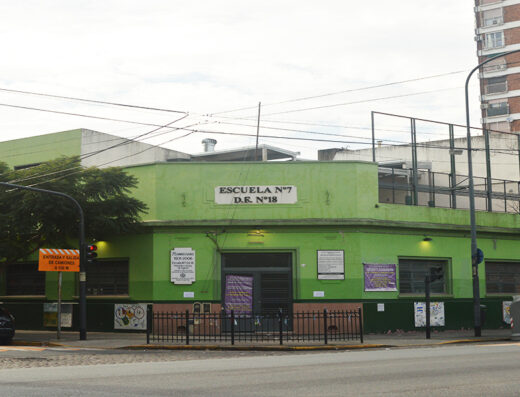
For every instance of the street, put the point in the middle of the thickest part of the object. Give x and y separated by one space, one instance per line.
461 370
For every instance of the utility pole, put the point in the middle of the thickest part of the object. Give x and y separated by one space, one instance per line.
82 256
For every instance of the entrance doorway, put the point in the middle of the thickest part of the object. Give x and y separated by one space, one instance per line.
259 283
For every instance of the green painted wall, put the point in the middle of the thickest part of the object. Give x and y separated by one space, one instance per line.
41 148
337 209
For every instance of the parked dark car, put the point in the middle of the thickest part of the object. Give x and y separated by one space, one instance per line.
6 326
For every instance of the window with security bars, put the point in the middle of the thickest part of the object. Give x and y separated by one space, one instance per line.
107 278
502 277
413 271
24 279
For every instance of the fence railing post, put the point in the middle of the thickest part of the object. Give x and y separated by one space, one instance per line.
325 336
360 324
149 322
280 325
232 327
187 327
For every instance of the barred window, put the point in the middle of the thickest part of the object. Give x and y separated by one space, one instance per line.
24 279
413 271
502 277
107 277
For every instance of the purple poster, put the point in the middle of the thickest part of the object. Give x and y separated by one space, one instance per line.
380 277
239 294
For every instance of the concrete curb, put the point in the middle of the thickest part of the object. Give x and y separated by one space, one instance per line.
262 347
35 344
255 347
461 341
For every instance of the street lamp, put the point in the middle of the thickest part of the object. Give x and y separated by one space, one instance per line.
82 255
474 256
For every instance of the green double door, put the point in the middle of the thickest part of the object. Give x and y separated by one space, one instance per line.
257 283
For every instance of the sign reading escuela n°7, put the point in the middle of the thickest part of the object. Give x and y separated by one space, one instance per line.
58 260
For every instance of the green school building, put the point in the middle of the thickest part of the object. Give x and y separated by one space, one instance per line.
305 235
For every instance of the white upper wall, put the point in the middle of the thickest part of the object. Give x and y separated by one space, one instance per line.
105 150
503 156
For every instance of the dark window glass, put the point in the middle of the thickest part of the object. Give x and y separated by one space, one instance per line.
413 271
256 260
24 279
107 278
503 277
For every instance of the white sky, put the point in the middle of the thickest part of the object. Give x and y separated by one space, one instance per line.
211 56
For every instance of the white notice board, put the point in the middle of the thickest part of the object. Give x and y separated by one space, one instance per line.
331 265
182 266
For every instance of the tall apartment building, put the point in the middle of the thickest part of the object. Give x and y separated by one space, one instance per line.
498 31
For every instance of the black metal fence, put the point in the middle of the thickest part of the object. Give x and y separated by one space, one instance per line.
319 326
437 189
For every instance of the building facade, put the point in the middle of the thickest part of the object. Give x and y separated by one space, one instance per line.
498 31
304 235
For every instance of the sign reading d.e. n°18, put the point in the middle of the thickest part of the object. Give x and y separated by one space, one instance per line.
58 260
272 194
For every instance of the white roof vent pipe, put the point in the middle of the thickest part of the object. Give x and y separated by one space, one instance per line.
209 144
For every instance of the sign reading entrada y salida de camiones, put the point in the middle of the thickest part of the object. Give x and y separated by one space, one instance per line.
272 194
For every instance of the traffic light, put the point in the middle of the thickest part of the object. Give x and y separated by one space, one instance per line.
436 273
91 253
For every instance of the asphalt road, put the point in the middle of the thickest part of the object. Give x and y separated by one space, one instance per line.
463 370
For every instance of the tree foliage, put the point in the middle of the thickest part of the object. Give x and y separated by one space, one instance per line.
30 220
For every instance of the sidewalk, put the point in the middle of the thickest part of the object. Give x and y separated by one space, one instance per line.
120 340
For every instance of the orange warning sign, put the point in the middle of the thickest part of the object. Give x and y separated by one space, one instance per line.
58 260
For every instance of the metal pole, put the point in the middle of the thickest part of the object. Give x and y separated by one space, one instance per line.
415 181
427 293
360 316
373 138
488 172
474 265
453 174
257 130
280 325
82 257
325 326
60 279
149 314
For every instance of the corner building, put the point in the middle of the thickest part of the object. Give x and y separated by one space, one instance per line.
306 235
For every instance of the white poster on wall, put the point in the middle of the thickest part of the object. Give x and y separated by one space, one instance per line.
130 316
436 314
182 266
331 265
506 311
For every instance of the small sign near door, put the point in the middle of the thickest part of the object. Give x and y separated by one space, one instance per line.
331 265
182 266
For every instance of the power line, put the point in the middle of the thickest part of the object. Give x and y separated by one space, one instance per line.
306 132
362 101
78 114
92 101
343 91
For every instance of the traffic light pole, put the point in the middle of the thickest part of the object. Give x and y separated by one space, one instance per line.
82 256
427 293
